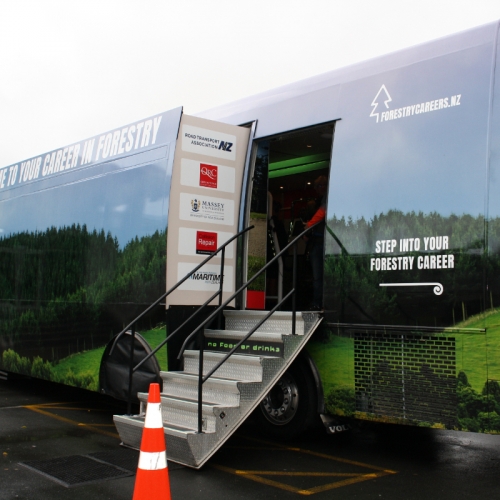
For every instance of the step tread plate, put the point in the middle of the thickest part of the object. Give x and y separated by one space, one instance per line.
181 403
238 335
216 356
185 385
138 421
279 322
226 384
244 368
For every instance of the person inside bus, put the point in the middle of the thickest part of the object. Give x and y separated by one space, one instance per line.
316 242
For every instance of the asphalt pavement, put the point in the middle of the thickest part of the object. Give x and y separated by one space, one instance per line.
59 443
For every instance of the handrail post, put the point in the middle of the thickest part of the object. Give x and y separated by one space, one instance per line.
131 370
221 285
200 381
294 285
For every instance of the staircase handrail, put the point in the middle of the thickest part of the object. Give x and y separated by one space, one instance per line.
245 285
179 283
199 329
131 325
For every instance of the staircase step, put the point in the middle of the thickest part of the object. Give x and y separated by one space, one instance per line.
130 429
215 390
260 343
238 367
238 335
228 397
184 412
279 322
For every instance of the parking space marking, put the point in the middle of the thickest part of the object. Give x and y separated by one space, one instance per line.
43 410
345 478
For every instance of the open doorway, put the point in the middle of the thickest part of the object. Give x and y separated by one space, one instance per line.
283 199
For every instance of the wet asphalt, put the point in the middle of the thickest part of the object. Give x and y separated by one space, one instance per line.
48 427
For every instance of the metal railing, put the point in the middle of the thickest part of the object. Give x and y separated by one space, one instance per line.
132 325
199 330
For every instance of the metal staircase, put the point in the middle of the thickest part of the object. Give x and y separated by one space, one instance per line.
239 366
231 393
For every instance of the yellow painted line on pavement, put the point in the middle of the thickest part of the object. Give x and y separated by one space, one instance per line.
62 406
346 482
93 428
351 478
298 474
258 448
345 478
321 455
95 425
258 479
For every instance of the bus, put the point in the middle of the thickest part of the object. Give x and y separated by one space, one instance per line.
398 320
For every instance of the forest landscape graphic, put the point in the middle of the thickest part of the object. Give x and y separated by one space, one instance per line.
69 290
467 309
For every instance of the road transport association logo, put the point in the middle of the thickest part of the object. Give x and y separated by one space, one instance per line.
382 112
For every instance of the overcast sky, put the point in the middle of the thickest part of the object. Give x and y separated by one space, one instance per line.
73 69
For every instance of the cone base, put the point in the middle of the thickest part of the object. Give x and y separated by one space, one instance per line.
152 484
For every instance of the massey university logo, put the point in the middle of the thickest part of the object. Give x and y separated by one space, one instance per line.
195 205
382 112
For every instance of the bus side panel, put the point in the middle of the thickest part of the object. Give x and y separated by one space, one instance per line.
407 301
82 252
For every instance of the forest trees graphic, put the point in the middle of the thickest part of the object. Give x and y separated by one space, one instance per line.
353 289
69 289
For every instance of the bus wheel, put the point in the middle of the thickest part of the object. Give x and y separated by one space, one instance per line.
290 406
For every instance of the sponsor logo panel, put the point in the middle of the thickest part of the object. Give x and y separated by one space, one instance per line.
206 279
189 241
207 175
206 209
206 242
203 141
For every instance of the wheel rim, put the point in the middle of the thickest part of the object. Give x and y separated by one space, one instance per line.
281 403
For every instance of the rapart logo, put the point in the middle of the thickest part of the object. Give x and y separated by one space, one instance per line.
382 113
206 242
382 95
208 175
195 205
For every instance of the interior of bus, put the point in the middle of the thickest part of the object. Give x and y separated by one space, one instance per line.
283 199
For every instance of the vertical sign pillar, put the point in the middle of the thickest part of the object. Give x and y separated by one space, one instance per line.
204 203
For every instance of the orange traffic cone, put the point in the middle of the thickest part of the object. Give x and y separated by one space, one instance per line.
152 481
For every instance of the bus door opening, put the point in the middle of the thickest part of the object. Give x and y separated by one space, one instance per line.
289 191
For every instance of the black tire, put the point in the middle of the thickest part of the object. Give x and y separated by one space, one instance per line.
291 405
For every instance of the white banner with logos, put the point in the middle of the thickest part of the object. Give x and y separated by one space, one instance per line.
204 203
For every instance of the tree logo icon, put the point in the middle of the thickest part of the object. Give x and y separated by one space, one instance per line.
382 95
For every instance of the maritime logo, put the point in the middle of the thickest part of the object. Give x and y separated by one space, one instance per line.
382 95
195 205
382 113
208 175
209 278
